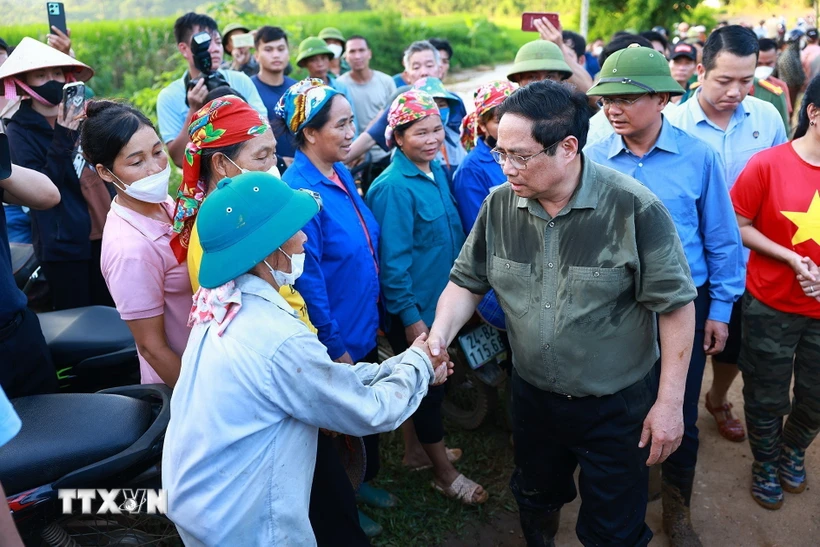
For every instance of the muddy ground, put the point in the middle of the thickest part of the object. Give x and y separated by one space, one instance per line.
723 511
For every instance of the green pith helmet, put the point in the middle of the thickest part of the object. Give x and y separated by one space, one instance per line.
310 47
539 55
635 70
331 33
226 33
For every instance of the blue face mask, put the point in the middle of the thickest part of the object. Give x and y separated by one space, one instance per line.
445 114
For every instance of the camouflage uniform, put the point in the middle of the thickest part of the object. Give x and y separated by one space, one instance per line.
775 343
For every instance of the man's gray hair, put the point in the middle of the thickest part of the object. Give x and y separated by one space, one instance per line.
417 47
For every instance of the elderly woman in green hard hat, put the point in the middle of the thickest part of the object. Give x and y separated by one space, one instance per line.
256 385
537 61
336 42
241 58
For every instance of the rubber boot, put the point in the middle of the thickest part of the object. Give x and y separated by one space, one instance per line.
765 439
539 528
676 493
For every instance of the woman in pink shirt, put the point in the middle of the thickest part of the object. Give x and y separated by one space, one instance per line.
151 289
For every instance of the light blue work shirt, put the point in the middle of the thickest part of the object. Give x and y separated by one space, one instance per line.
10 423
687 175
755 125
172 110
245 414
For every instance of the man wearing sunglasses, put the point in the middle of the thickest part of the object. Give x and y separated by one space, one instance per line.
687 175
586 264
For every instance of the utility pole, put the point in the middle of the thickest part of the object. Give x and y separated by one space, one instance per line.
585 17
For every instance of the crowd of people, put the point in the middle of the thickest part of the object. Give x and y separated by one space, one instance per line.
633 207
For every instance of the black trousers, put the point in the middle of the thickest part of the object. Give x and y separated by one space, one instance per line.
78 283
371 442
333 514
25 360
554 434
427 418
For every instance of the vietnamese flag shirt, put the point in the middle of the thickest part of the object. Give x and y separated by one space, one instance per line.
780 193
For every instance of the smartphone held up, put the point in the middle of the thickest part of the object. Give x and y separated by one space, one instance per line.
528 20
56 17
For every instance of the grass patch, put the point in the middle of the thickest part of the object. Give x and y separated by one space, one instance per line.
425 517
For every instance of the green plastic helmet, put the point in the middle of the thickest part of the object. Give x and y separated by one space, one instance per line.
635 70
539 55
330 33
310 47
244 220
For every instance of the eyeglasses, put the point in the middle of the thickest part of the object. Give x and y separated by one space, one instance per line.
606 102
519 162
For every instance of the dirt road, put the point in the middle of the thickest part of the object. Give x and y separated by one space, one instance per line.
722 509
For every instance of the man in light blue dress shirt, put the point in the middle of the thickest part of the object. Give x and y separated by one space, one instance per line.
177 104
686 174
737 126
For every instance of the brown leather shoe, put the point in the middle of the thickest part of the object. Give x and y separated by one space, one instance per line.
729 427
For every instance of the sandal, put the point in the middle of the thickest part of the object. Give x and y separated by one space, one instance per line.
463 490
453 455
729 427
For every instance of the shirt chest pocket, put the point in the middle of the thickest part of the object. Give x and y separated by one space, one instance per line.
593 292
431 224
512 283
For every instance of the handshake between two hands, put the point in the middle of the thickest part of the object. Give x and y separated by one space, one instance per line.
436 351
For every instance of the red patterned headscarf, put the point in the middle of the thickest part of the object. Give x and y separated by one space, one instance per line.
487 97
408 107
222 122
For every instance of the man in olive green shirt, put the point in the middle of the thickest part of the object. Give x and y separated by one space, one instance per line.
587 265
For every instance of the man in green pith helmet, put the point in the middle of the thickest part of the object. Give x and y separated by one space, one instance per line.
685 173
336 42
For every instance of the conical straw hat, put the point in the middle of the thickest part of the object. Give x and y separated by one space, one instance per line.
34 55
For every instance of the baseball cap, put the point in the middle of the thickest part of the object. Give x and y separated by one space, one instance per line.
682 49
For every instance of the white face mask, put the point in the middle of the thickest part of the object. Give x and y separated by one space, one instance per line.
151 189
336 49
297 266
763 72
272 171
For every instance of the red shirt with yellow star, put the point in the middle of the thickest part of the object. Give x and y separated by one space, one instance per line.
780 193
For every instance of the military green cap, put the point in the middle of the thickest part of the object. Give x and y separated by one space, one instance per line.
539 55
226 33
331 33
310 47
635 70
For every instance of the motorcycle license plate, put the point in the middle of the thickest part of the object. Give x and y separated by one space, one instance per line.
481 345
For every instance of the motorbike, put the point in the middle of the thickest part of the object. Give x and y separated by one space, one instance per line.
91 347
483 361
111 439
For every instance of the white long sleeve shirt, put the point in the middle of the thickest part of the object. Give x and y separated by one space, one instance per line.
241 445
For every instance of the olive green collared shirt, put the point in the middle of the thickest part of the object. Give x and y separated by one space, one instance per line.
580 291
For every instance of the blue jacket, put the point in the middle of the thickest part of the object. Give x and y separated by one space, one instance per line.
340 283
476 176
421 237
62 232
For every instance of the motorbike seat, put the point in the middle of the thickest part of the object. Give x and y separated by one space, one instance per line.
81 333
64 432
23 262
